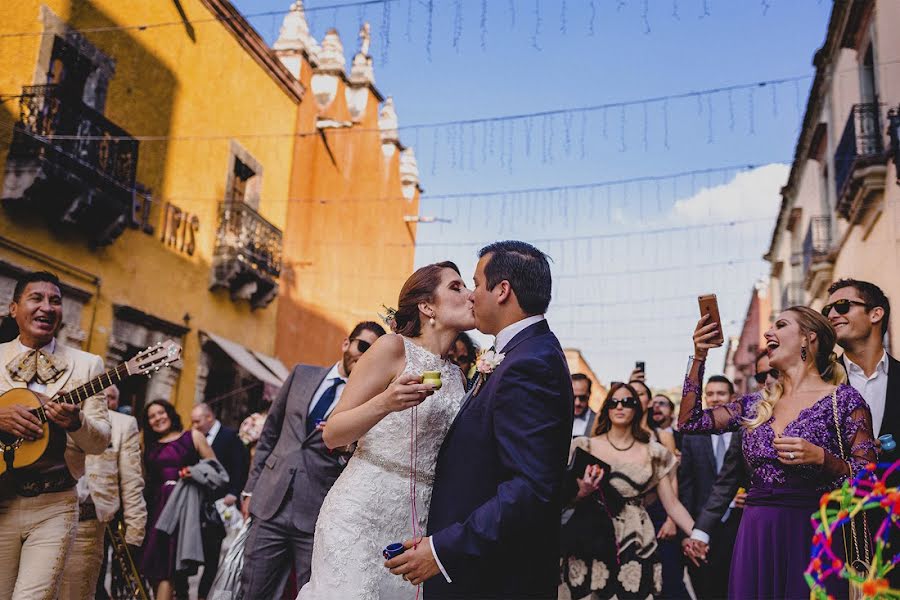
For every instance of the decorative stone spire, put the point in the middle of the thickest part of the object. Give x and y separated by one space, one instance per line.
387 123
409 173
361 70
331 56
294 39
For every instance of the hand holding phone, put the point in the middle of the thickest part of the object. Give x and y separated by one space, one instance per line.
708 333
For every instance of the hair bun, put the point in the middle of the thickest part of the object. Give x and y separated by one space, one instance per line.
833 357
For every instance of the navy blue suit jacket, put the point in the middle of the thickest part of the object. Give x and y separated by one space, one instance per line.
234 458
495 508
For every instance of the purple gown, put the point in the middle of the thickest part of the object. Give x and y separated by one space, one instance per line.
162 462
774 540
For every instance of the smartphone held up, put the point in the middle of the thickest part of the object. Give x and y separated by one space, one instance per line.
709 306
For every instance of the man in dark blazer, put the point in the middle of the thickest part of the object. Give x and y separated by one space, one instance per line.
583 416
233 456
703 459
494 522
293 470
860 314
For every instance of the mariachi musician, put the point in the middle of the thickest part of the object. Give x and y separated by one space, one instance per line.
39 505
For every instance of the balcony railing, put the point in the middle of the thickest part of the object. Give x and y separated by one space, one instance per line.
817 245
862 143
247 258
792 294
63 129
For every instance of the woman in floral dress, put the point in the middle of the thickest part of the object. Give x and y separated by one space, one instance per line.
593 566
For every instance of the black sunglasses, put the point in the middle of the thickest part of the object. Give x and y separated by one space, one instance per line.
629 402
583 397
842 306
361 345
761 376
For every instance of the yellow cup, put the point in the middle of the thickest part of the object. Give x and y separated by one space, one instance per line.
432 377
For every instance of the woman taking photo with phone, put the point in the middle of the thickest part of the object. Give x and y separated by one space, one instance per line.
802 437
591 567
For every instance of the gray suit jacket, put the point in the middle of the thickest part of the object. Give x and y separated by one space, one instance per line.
287 459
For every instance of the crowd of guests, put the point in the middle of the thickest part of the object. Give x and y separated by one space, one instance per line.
721 486
750 469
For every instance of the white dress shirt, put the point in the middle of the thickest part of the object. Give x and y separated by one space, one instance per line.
50 348
580 424
873 389
503 338
213 432
327 383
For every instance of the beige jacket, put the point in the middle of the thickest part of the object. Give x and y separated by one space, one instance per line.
93 436
113 479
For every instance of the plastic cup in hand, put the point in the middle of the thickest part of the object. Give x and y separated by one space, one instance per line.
887 442
392 550
432 377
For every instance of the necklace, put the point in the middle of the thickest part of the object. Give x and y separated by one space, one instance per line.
609 439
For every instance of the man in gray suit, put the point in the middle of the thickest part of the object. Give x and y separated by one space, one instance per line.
293 470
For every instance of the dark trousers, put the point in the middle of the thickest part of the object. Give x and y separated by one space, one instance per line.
212 549
710 579
274 546
669 555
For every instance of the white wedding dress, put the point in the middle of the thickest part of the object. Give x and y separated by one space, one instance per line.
369 506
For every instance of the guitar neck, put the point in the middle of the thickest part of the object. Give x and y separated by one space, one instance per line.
91 388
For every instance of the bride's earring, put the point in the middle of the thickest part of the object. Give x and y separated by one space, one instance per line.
802 353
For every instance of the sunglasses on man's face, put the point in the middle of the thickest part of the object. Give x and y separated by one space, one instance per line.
842 306
582 398
362 345
629 402
761 376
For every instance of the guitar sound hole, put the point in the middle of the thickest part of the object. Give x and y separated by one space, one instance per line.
8 439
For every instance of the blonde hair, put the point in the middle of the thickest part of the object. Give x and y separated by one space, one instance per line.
826 362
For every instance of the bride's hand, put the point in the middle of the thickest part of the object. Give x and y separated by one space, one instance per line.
405 392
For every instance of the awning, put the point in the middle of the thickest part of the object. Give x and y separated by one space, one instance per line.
275 365
251 360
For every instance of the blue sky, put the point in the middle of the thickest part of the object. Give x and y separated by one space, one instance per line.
629 259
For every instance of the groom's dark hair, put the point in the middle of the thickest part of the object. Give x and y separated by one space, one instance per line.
527 270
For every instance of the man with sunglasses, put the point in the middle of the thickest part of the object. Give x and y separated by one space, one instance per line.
293 470
703 461
859 312
583 416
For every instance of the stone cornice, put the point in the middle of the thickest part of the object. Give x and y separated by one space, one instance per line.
248 37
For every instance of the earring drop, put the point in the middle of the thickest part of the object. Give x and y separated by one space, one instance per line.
803 353
431 321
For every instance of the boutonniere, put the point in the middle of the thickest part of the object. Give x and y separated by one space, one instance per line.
485 364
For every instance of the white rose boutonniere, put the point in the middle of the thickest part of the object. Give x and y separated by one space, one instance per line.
488 361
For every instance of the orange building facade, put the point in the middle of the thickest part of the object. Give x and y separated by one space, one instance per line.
354 196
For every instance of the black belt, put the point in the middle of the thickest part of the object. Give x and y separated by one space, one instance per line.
87 512
30 486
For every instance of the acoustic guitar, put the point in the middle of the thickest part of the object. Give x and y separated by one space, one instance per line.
48 449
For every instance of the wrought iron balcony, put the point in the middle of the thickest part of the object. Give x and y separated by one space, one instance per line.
817 244
861 145
247 258
79 166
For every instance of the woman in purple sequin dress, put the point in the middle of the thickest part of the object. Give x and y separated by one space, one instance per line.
791 448
167 450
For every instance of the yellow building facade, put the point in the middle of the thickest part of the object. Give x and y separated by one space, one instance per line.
149 168
186 181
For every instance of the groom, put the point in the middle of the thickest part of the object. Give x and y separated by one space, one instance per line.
493 527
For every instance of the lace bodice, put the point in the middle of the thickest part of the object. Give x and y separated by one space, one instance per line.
387 443
369 506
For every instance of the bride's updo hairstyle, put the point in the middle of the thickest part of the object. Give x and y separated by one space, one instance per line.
830 370
420 287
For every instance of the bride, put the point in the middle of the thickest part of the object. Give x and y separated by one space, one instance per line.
399 423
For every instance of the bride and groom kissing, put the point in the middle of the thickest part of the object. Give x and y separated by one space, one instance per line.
469 482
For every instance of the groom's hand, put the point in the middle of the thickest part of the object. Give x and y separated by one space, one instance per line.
416 565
